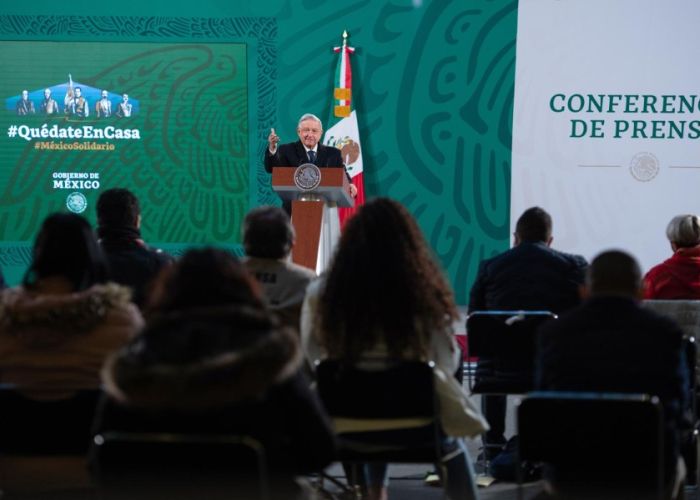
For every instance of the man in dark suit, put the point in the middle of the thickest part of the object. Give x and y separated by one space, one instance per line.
529 276
307 149
612 344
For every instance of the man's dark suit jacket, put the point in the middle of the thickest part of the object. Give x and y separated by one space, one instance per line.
294 154
611 344
528 276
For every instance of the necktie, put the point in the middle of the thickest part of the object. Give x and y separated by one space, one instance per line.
312 156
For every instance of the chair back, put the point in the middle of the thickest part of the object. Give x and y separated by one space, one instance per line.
387 414
31 426
686 313
141 465
594 442
504 343
689 445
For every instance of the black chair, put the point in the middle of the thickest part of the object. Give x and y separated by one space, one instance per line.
689 446
504 343
149 465
380 398
594 446
686 314
30 426
43 443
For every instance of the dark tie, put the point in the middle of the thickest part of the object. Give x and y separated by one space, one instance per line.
312 156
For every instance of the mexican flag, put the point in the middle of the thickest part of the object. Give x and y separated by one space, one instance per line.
343 132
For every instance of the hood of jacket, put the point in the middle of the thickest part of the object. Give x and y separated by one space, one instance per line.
47 319
200 359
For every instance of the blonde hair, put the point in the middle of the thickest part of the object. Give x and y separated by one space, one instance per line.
684 231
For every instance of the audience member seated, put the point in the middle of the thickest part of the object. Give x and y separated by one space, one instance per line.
57 329
529 276
131 262
383 299
213 360
679 276
268 238
612 344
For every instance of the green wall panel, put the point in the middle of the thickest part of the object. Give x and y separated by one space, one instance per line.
433 88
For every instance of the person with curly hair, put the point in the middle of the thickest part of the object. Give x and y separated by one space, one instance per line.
385 297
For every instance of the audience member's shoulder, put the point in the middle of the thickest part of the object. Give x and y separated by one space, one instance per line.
577 260
160 255
120 309
301 271
100 306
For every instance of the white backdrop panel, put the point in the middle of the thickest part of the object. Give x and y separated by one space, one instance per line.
592 186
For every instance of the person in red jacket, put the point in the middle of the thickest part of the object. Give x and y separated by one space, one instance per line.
678 278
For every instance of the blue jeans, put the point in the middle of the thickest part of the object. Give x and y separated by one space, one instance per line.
455 465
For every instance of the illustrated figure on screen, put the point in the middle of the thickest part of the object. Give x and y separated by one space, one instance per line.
24 105
78 105
124 107
103 108
49 106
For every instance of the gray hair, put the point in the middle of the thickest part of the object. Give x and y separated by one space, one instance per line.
684 231
309 116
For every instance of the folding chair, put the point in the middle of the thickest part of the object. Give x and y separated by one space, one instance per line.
503 342
594 445
395 406
147 465
686 313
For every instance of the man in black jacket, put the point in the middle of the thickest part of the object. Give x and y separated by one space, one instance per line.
307 149
612 344
529 276
131 261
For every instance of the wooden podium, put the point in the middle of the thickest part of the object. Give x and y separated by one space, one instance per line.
309 205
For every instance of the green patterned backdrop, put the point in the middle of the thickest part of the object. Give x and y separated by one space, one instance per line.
433 87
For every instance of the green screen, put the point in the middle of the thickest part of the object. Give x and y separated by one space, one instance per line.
184 151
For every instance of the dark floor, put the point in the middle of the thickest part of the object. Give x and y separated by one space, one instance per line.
407 483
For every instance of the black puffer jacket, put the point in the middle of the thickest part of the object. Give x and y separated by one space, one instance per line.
220 370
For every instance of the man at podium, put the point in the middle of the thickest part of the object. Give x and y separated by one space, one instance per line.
306 150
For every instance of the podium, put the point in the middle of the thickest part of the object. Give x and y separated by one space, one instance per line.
313 209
